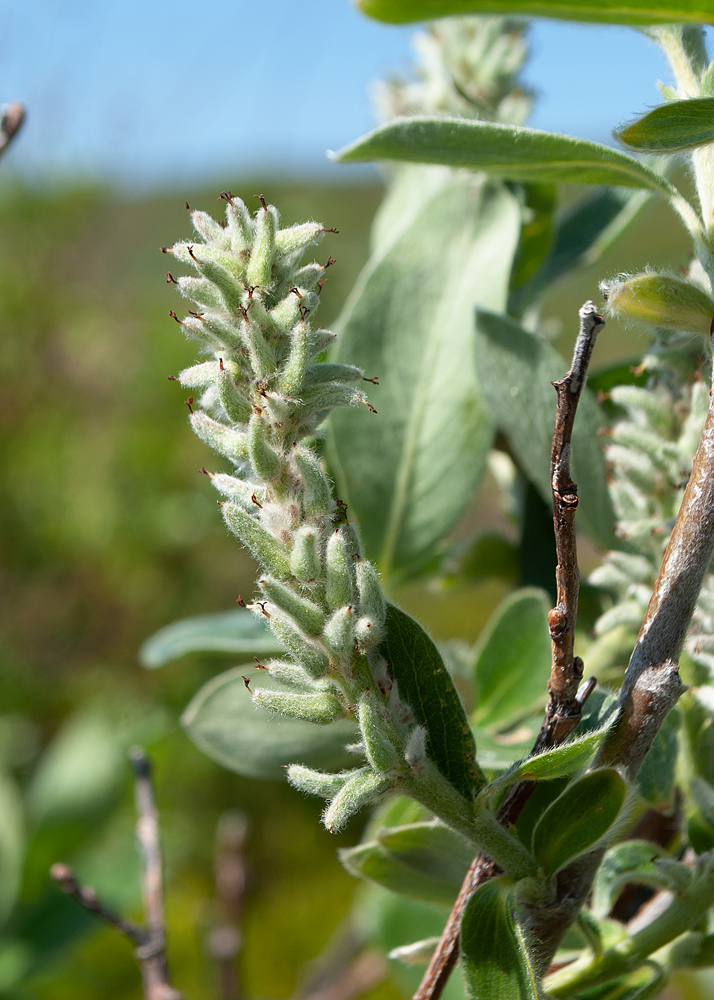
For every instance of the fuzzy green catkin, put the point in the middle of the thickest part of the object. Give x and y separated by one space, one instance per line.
318 782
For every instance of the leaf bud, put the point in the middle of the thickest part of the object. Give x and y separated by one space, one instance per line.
305 556
338 635
415 753
321 709
361 790
338 589
660 300
308 615
269 551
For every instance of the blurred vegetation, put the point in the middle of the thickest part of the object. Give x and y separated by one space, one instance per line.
106 534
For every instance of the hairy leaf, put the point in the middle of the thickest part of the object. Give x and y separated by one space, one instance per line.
409 472
510 151
578 818
516 368
631 862
607 12
554 763
671 127
497 965
425 685
222 720
236 631
424 861
512 659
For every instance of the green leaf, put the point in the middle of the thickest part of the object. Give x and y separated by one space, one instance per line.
409 473
582 234
644 983
424 861
554 763
425 685
497 965
671 127
607 12
222 720
12 845
512 659
656 779
511 151
81 770
631 862
516 369
578 819
236 631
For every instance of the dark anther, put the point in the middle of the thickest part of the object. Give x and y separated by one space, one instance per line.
295 291
173 315
170 280
250 289
189 404
333 230
369 406
341 511
330 262
172 378
240 601
321 284
189 250
246 681
195 314
243 311
303 312
204 471
256 501
261 605
220 364
165 249
262 200
259 665
374 380
188 207
225 196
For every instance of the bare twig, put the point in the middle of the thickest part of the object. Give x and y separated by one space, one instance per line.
11 118
565 705
88 898
152 954
225 940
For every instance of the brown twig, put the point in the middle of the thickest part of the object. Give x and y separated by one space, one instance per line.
87 897
225 940
565 704
152 954
11 118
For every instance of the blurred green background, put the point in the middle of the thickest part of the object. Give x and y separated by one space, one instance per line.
107 534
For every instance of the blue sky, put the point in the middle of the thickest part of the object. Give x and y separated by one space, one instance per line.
146 94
